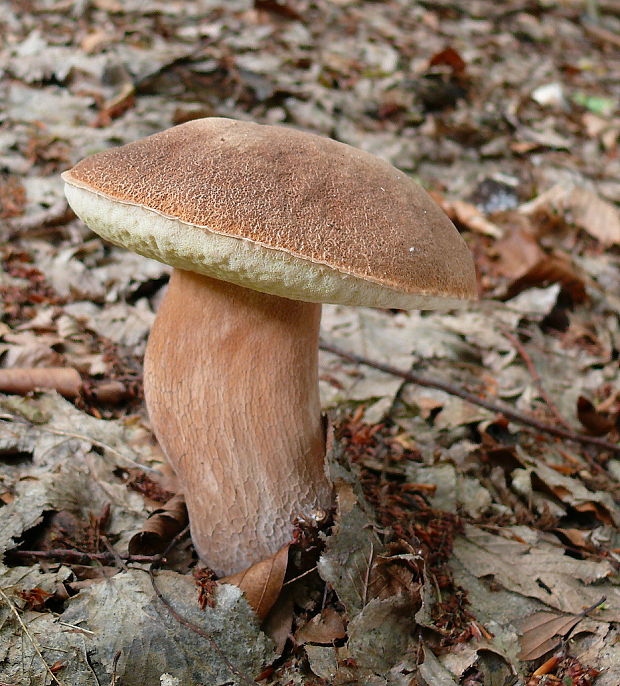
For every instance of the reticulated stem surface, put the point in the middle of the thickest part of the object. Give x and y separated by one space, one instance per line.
231 386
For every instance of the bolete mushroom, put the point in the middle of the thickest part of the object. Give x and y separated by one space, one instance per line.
261 225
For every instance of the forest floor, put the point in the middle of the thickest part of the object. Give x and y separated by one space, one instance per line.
470 545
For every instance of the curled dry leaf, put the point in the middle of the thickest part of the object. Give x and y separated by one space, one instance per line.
595 422
160 528
65 380
261 583
469 216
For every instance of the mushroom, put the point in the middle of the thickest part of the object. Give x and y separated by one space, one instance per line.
262 224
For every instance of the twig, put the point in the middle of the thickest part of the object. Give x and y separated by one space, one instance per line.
117 558
367 577
77 557
185 622
115 660
13 609
498 407
296 578
536 378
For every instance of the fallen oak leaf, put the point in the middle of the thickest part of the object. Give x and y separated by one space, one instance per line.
262 582
518 251
160 528
577 538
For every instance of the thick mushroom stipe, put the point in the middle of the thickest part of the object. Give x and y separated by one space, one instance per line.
231 386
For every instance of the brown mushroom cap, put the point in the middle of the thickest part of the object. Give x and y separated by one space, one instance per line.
276 210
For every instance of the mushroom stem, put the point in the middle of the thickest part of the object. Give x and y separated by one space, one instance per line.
231 386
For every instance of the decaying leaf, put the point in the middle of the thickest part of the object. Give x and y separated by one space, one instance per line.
349 554
126 629
262 582
381 634
572 491
601 647
432 671
539 570
323 661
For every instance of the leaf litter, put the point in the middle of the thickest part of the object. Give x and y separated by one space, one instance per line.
454 525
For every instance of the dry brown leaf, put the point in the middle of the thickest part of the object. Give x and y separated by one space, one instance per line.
542 632
160 528
65 380
585 208
326 627
261 583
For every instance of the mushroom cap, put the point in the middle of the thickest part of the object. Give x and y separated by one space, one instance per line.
277 210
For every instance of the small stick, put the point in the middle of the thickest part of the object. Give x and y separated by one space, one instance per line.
117 557
77 557
499 408
367 577
536 378
296 578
